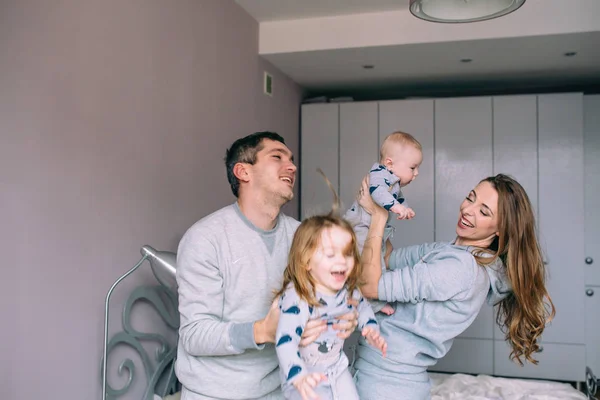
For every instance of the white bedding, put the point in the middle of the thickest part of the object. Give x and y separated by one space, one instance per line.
484 387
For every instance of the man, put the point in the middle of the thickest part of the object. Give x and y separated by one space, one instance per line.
228 266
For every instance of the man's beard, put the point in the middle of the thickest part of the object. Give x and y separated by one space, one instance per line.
286 197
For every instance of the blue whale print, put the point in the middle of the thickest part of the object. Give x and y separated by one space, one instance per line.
292 310
284 339
295 370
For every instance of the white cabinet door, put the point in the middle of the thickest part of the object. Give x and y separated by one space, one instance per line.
463 157
516 150
592 328
591 146
560 141
561 362
414 117
358 147
515 141
468 356
319 149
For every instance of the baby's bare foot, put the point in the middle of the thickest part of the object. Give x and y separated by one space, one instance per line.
387 309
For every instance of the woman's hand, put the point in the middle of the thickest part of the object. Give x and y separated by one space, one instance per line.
366 201
346 326
371 254
312 330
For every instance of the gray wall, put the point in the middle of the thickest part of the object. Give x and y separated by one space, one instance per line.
114 120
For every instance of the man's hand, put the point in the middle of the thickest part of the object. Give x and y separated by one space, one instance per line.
264 329
375 339
305 385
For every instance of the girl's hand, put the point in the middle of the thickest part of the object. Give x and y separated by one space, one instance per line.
305 385
366 202
375 339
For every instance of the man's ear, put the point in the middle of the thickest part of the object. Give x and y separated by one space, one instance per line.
242 172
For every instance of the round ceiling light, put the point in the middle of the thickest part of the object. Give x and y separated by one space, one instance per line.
458 11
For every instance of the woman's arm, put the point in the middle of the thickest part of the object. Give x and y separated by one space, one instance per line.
371 255
408 256
444 277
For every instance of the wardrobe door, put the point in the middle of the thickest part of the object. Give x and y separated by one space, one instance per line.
591 152
319 149
463 157
516 152
358 147
414 117
560 126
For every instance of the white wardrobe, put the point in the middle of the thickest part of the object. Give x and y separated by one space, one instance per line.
544 141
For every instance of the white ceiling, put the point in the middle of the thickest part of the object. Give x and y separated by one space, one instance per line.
494 60
277 10
323 45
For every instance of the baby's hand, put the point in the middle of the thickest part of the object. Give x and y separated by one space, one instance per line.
410 212
305 385
375 339
400 210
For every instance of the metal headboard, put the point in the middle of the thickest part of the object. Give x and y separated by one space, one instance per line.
159 369
591 383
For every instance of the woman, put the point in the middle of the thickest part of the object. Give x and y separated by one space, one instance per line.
440 288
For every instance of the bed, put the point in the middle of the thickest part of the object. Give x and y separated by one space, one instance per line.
154 352
468 387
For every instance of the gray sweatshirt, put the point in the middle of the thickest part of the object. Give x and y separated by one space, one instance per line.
438 290
227 272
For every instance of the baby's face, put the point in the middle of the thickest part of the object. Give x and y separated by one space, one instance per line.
404 162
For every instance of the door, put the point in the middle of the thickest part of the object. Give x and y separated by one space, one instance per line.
414 117
560 146
319 149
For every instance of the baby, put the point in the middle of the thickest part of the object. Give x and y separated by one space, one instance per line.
400 158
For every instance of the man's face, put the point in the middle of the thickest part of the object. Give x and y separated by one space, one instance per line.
273 174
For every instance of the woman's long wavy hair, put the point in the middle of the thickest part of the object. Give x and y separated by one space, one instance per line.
524 313
307 240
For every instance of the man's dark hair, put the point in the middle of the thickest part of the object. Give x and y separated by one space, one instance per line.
244 150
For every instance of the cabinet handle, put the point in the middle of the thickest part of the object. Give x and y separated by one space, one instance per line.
589 260
589 292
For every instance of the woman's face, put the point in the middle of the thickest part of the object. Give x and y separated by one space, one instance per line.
478 217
